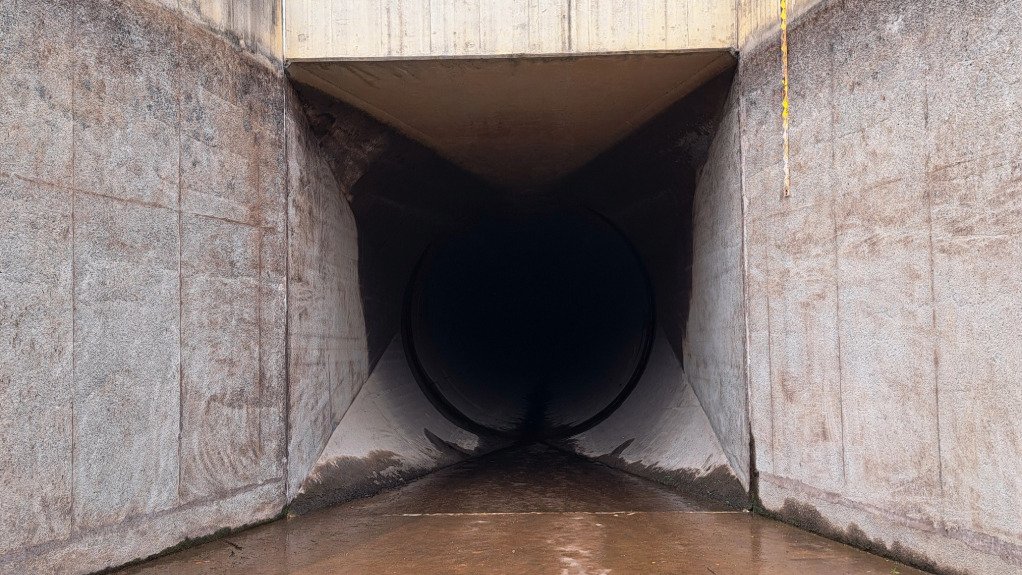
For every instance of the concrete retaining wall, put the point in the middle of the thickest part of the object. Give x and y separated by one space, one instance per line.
145 273
883 312
714 336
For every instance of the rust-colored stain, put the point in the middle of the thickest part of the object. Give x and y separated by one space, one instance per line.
785 103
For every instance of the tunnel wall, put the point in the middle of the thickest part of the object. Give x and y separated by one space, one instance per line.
713 348
145 394
883 312
662 433
328 348
390 435
674 190
402 197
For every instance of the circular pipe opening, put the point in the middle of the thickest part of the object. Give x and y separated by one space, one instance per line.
531 327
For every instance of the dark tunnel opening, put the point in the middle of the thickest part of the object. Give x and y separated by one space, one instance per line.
531 326
577 315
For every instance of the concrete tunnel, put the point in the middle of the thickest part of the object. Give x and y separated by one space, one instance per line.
519 287
547 275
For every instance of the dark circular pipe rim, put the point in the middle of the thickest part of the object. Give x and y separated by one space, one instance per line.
432 392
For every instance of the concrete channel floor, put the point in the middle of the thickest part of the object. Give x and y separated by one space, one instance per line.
524 511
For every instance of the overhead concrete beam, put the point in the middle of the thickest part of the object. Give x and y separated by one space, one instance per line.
255 25
398 29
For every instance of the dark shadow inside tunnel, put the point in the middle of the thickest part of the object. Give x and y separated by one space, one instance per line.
558 315
531 326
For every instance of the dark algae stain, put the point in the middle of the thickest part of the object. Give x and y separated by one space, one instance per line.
805 516
719 484
347 478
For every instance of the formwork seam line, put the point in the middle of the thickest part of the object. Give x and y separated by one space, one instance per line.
74 272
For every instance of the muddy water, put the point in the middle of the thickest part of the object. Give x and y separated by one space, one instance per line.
531 510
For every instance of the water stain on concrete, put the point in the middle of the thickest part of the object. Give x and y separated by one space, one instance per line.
807 517
348 478
718 484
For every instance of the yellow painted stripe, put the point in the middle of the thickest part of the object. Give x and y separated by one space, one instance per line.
785 103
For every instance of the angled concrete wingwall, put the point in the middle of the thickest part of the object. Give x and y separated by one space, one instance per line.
328 351
713 349
882 295
674 189
357 439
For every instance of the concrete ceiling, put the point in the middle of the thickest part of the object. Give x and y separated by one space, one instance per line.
519 123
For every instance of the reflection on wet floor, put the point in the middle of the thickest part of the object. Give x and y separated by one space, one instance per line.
530 510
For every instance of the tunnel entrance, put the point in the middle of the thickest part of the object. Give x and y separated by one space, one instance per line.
530 326
586 314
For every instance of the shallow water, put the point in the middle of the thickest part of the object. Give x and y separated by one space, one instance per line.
527 510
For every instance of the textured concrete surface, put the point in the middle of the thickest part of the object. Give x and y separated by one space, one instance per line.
35 143
403 29
232 268
883 370
37 379
661 432
390 435
141 177
127 346
714 343
328 355
403 197
760 20
531 510
519 123
254 25
408 29
36 278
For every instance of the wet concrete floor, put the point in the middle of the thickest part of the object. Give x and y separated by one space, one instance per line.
524 511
